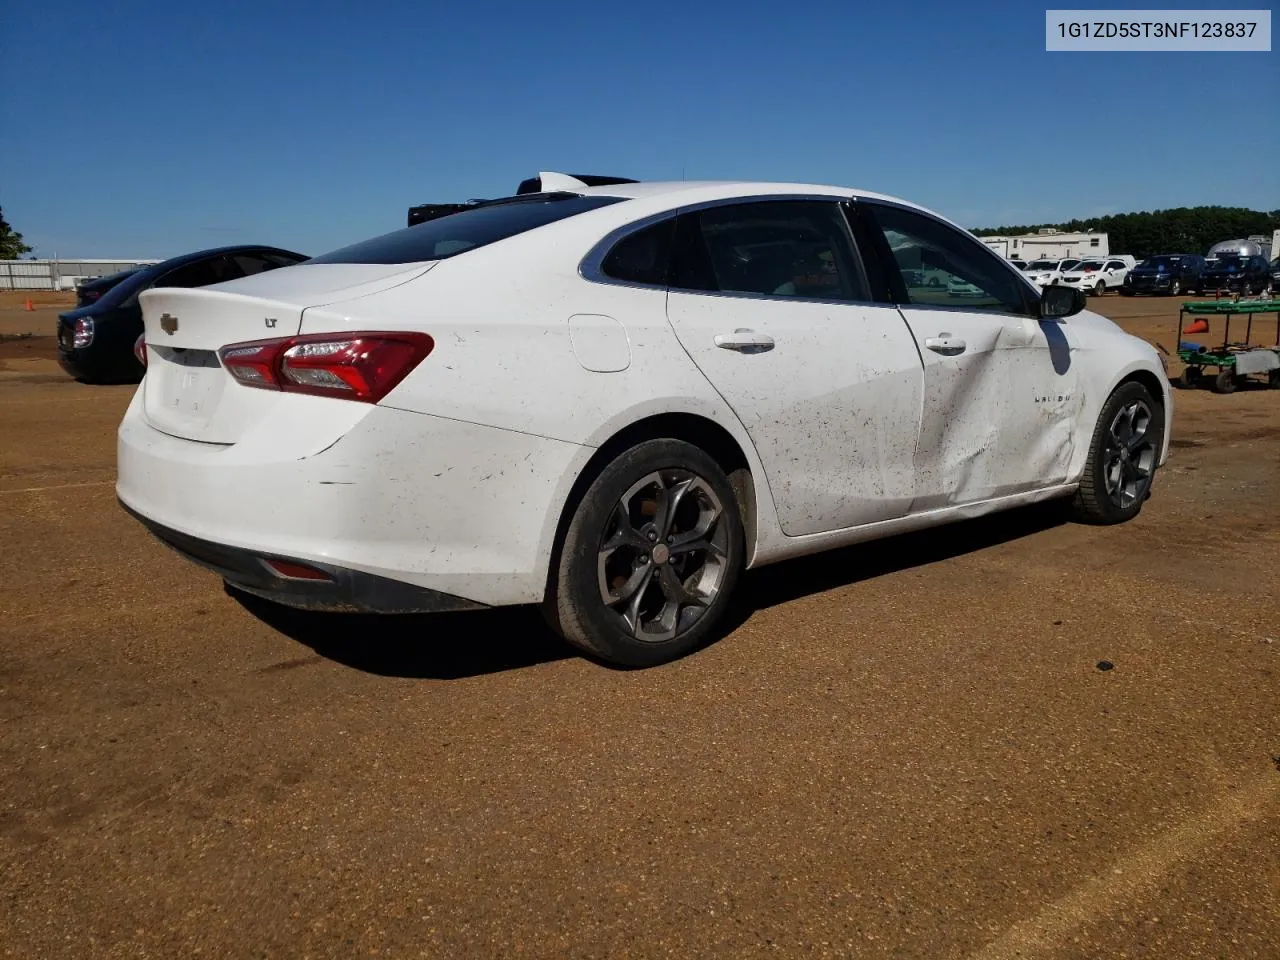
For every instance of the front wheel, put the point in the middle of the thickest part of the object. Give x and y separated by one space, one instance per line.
1100 289
1123 455
1225 381
650 557
1175 288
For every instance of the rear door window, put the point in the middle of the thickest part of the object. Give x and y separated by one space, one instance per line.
202 273
771 248
467 229
260 261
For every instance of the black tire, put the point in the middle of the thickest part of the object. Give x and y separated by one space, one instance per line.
1100 289
1273 379
1225 381
1093 502
1190 378
575 605
1175 288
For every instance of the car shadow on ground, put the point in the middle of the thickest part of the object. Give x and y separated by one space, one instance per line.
436 646
451 646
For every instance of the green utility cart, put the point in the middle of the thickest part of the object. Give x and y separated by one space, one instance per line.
1235 361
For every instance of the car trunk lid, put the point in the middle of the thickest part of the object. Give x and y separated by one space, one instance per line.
186 391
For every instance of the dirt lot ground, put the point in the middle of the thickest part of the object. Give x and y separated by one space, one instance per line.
901 750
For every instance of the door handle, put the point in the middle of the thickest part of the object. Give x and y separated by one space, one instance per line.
745 341
946 345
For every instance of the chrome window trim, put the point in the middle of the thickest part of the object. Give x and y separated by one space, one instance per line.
872 201
589 268
969 310
768 298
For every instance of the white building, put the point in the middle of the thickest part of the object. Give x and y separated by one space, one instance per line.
59 274
1049 244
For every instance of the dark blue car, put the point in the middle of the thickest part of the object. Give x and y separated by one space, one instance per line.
1169 273
95 342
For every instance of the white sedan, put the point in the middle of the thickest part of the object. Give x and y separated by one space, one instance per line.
611 400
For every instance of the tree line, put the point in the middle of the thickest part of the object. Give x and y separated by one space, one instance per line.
1180 230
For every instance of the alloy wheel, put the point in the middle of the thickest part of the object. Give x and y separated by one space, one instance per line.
1129 457
663 556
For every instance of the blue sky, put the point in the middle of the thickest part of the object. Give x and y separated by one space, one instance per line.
150 129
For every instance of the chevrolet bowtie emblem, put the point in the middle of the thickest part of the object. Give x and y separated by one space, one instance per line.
168 323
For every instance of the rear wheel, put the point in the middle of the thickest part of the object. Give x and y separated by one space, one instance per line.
650 557
1225 381
1122 459
1273 379
1191 378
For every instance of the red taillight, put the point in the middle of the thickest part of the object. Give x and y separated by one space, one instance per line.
354 366
140 348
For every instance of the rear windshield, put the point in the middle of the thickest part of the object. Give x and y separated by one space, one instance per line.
459 232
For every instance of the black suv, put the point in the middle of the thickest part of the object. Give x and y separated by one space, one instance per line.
1168 273
1275 275
1246 275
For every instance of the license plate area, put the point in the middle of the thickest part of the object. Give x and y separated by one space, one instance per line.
191 380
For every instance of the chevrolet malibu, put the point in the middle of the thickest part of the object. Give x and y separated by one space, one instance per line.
612 400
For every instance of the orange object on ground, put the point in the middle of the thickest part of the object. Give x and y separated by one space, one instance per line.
1197 326
29 306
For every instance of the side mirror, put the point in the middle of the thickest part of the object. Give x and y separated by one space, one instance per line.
1059 300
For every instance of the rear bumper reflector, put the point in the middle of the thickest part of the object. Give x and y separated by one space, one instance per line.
304 584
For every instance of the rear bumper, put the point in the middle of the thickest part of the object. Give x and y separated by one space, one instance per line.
85 365
459 510
347 590
103 359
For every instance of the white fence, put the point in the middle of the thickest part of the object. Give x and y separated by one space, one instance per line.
59 274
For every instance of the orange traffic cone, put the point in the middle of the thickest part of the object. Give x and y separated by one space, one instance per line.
29 306
1197 326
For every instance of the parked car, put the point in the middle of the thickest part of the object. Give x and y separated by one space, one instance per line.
1275 275
1096 277
611 400
96 341
1168 273
1246 275
1045 272
90 291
